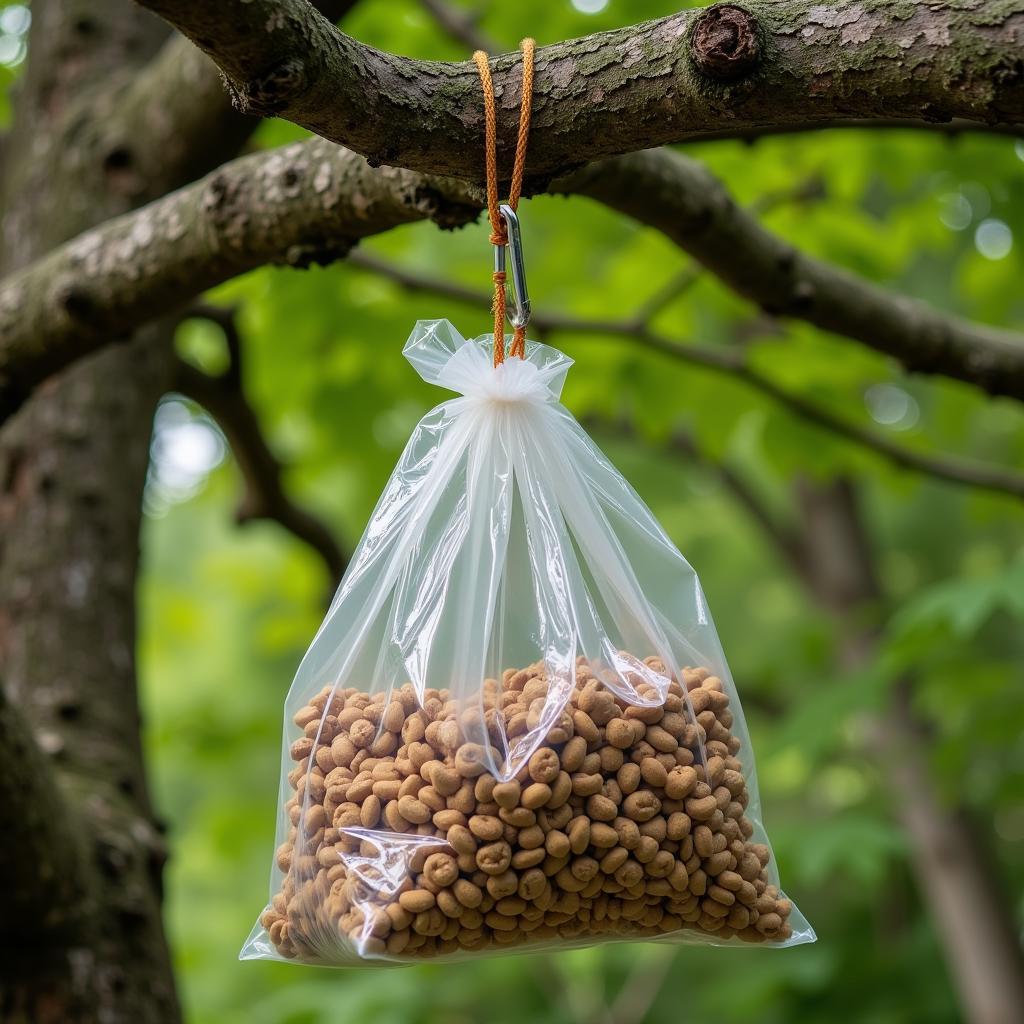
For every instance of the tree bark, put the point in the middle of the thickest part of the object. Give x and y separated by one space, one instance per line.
958 884
311 201
103 121
682 199
302 204
72 466
725 68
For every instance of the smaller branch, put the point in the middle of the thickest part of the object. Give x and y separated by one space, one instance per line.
675 288
265 496
642 986
305 203
731 363
685 202
810 190
461 26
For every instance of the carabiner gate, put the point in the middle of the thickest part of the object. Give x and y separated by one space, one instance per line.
518 311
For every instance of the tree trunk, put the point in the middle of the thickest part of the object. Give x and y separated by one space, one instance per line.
72 468
958 885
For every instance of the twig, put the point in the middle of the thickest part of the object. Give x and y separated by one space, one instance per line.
810 190
732 363
581 1004
686 203
461 26
265 498
785 538
642 986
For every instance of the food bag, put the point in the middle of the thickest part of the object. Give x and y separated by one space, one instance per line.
515 728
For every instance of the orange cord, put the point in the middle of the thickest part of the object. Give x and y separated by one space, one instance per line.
499 236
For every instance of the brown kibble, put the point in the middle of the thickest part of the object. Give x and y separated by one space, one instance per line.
544 765
678 826
579 834
619 733
416 901
441 869
701 808
641 806
369 813
394 717
629 821
506 794
495 858
471 760
461 839
536 795
486 827
584 784
468 894
681 782
573 754
653 772
413 810
557 843
600 808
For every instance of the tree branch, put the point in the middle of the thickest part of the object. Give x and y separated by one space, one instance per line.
768 63
305 203
732 363
968 910
460 25
685 202
310 202
265 497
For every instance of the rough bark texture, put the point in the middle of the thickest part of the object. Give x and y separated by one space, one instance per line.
305 203
312 201
680 198
72 466
101 128
784 62
958 884
110 113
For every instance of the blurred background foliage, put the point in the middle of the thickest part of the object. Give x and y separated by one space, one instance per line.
227 610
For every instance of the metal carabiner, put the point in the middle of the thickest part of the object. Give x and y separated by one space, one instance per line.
518 311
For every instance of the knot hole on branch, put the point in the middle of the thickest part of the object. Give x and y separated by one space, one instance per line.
271 92
725 42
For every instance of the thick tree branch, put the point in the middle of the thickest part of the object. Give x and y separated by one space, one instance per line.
265 497
305 203
732 363
680 198
311 202
770 63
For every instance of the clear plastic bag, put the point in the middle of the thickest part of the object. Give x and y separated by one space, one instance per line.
515 727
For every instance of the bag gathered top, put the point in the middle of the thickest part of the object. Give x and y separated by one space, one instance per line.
515 728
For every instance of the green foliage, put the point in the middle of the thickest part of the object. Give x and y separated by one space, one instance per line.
226 612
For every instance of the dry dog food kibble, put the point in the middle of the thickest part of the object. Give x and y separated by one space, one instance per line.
627 821
561 804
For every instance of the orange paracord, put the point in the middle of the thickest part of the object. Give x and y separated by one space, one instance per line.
499 234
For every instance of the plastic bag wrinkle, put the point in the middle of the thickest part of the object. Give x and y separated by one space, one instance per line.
515 728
